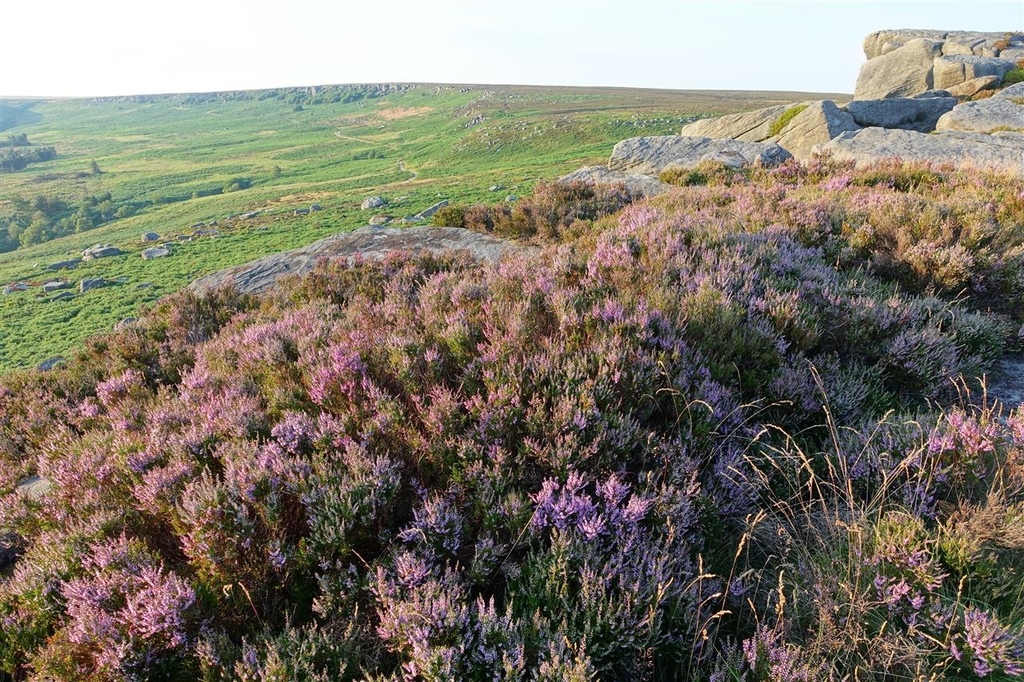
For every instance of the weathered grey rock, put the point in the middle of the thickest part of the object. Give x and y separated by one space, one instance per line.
1012 54
496 188
432 210
635 183
313 208
1015 91
301 211
370 203
973 86
985 116
34 487
956 42
651 155
143 285
64 264
928 94
150 237
368 242
749 126
63 296
381 219
817 124
906 113
125 323
49 363
726 157
155 252
903 72
952 70
90 283
101 251
55 285
511 199
14 288
1000 151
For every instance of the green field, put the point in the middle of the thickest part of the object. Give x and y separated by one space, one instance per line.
176 157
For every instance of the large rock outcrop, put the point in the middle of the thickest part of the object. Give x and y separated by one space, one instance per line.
817 124
651 155
1001 150
369 242
906 62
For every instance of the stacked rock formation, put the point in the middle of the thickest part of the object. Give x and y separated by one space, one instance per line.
920 96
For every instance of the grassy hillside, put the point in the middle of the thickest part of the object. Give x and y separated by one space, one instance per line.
172 159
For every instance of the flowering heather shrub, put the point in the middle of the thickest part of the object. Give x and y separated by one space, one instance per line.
713 436
549 211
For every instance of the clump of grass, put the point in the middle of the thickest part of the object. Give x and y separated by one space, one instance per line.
1014 76
704 173
779 124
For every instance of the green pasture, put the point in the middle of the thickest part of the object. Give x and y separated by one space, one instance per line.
179 155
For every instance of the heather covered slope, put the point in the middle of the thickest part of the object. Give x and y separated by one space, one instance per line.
730 434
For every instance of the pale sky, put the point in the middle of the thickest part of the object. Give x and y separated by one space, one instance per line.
122 47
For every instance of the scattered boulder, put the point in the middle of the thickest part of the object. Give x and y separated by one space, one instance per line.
64 264
496 188
49 363
903 72
952 70
423 215
511 199
55 285
370 203
635 183
973 86
155 252
368 242
381 219
101 251
63 296
14 288
651 155
817 124
727 157
90 283
34 487
313 208
301 211
150 237
749 126
143 285
250 215
905 113
125 323
985 116
1000 150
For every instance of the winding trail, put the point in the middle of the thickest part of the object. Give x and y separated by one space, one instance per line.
401 167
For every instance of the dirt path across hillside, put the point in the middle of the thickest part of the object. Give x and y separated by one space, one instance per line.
401 167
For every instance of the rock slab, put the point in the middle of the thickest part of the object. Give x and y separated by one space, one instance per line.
749 126
903 72
651 155
368 242
1004 151
904 113
817 124
985 116
635 183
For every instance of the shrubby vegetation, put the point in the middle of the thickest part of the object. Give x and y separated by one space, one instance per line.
42 218
723 435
